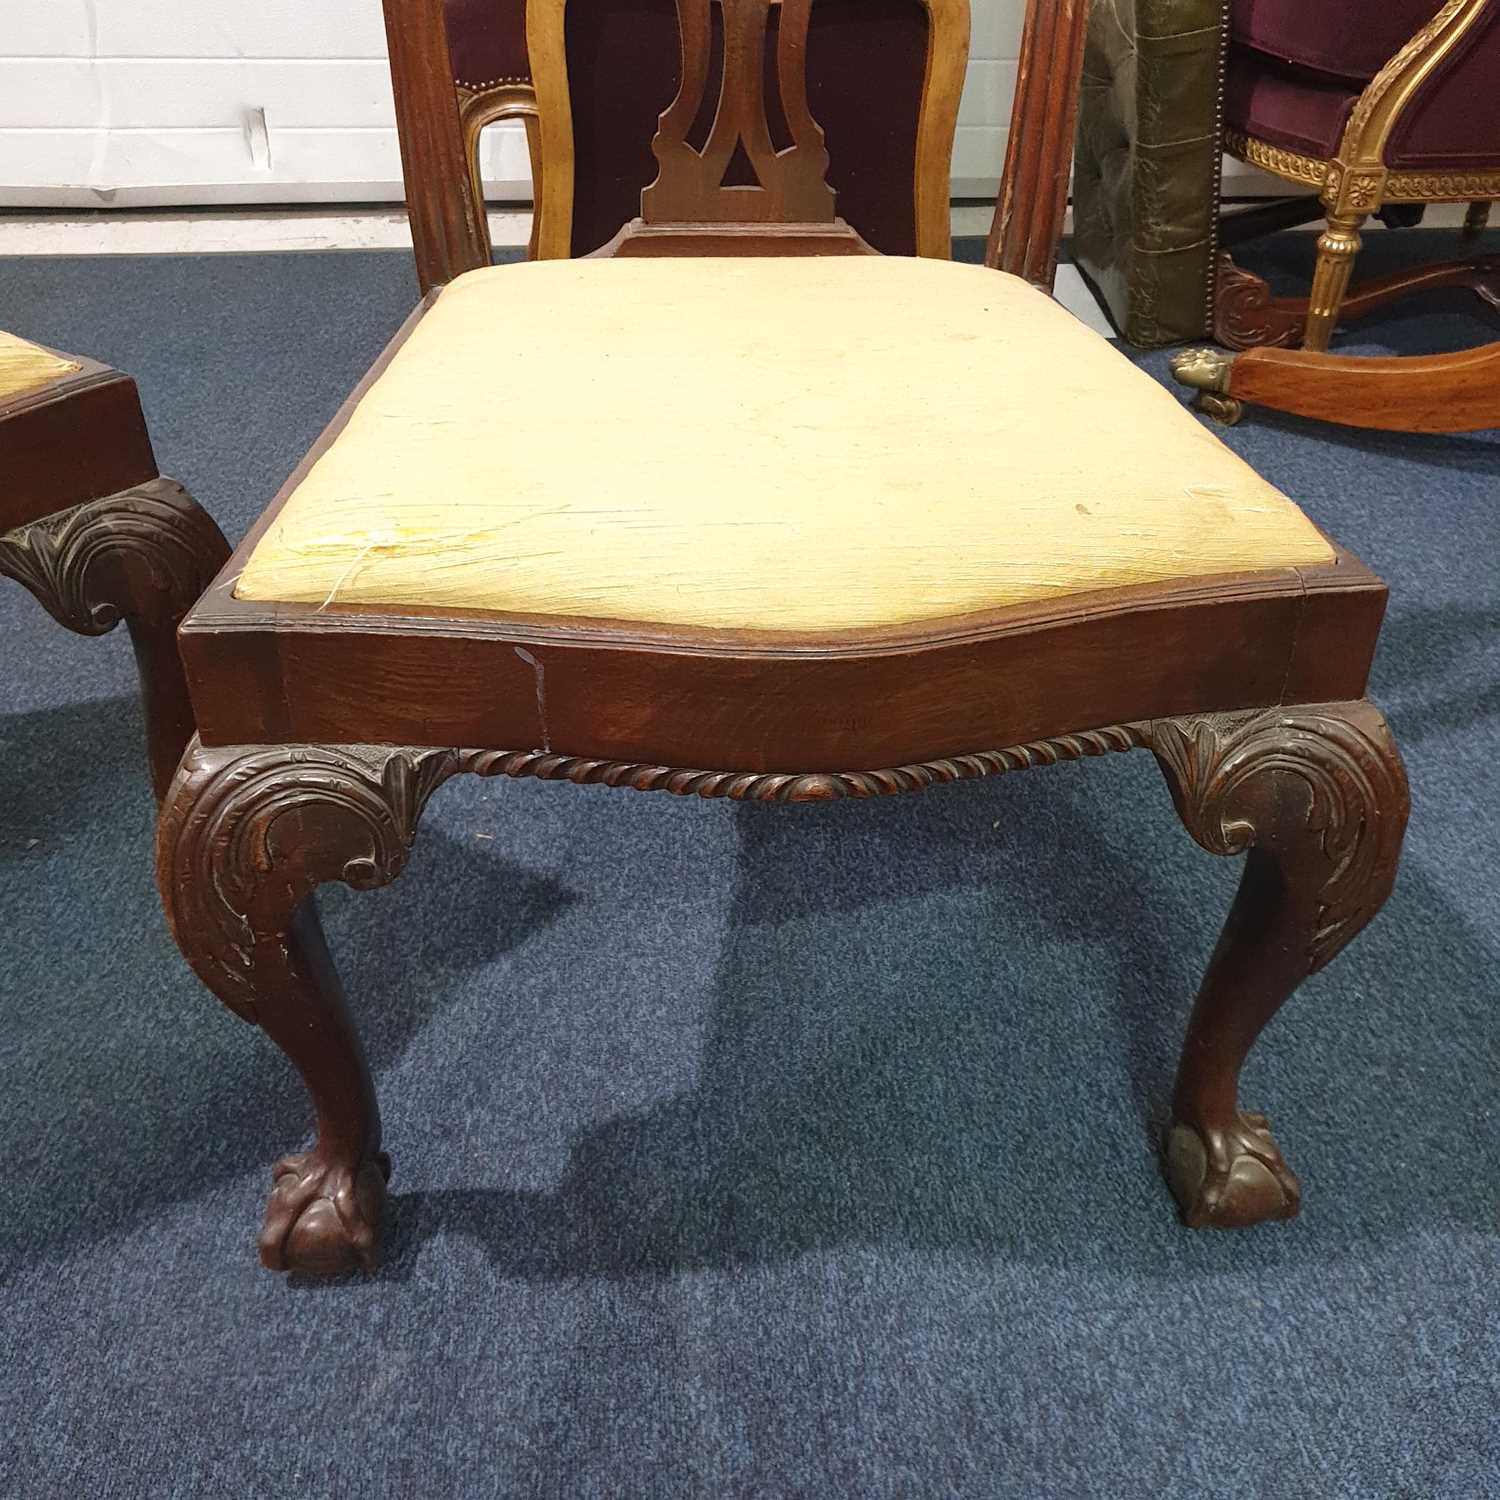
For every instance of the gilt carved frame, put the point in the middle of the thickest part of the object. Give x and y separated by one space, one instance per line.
1353 184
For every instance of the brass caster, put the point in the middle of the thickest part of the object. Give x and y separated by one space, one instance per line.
1222 409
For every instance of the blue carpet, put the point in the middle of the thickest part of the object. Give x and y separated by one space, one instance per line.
743 1151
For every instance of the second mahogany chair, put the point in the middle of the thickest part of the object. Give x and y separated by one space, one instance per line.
94 531
775 519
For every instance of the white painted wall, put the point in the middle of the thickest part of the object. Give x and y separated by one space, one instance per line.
130 102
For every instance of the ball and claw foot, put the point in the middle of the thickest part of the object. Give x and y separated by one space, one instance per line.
1226 1179
324 1217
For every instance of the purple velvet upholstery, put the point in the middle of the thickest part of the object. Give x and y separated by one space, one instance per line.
1289 107
1344 38
487 40
1453 124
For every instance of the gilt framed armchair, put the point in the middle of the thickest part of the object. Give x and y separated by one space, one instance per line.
1365 109
1382 109
771 518
90 527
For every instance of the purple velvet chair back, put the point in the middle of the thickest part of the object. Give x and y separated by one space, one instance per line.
487 42
1350 39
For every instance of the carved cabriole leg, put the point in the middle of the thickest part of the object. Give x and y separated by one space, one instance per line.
1337 247
1476 219
1317 796
144 556
246 835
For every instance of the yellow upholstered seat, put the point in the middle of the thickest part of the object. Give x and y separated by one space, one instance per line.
772 444
27 367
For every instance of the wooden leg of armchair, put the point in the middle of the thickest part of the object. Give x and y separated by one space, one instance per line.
1477 218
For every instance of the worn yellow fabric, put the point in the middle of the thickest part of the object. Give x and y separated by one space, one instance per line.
773 444
26 367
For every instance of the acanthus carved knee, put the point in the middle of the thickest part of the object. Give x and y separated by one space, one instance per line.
150 549
1316 796
248 832
1319 782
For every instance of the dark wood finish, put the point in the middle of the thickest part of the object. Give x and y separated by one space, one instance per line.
1413 393
447 224
88 526
1039 153
323 732
1317 796
45 466
1247 315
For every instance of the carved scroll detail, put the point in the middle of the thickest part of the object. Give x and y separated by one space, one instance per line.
77 561
1316 795
1224 773
1248 316
229 876
370 798
792 183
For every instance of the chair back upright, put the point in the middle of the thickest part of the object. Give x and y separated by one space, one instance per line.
642 102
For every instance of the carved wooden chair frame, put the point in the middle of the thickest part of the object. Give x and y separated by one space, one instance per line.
91 528
1350 187
325 730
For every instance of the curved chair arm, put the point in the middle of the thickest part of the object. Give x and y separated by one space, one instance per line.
1357 181
510 100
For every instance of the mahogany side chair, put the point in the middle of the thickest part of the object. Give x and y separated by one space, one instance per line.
91 528
730 538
